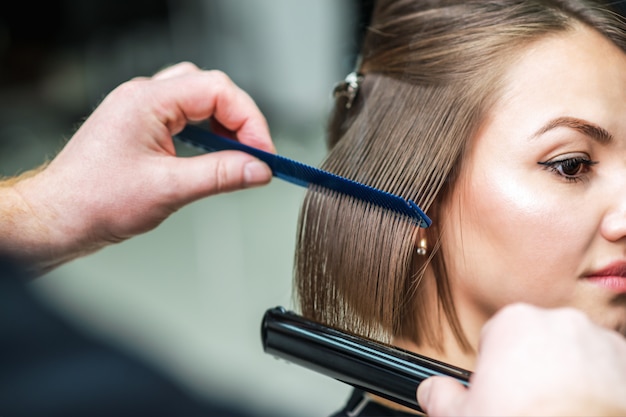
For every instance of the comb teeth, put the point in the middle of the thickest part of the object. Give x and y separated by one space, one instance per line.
304 175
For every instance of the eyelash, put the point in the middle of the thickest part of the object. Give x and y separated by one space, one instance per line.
578 162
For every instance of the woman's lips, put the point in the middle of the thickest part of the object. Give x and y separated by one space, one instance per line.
613 277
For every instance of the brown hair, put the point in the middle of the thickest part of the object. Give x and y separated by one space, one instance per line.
432 70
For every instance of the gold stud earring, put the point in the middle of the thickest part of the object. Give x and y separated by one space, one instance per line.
422 247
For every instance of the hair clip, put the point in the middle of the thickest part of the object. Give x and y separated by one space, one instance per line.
348 88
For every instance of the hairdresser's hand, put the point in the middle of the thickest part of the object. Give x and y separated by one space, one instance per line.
119 176
536 362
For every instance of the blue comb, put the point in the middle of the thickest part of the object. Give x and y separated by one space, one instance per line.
305 175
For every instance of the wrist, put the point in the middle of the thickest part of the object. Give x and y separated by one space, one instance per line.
32 231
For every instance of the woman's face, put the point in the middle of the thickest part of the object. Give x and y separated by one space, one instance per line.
539 212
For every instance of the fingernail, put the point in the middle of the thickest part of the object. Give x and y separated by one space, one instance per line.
256 173
423 391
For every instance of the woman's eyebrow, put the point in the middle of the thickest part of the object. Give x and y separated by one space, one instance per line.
587 128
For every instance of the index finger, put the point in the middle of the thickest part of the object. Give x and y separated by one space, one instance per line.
198 95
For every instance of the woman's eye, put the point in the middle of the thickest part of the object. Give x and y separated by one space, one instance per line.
572 169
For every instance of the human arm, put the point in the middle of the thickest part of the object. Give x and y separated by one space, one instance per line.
118 176
536 362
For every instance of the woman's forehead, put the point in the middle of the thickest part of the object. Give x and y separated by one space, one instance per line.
576 65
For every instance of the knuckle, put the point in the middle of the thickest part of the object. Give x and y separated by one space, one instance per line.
130 88
222 176
187 66
221 79
574 316
515 311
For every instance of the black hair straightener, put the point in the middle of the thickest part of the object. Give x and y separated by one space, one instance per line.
380 369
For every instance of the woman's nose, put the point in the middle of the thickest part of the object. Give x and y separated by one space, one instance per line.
613 226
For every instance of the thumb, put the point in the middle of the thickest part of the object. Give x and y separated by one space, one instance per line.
441 396
214 173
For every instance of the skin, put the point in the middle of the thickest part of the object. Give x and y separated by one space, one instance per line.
119 175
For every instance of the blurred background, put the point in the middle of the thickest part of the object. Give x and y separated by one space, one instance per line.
189 296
